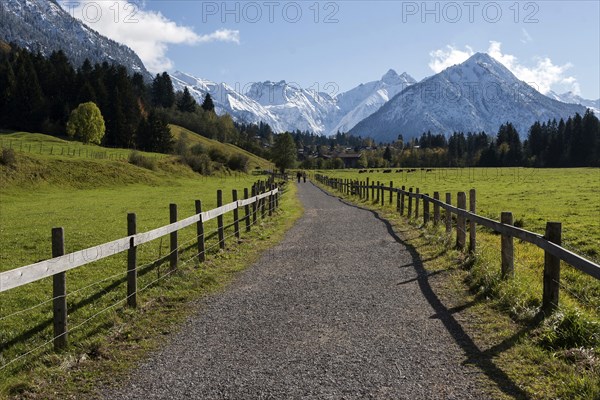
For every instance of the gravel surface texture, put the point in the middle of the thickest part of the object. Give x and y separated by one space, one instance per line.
337 310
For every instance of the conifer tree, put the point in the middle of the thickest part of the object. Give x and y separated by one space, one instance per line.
207 104
186 103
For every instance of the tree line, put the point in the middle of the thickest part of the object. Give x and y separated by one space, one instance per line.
38 94
571 143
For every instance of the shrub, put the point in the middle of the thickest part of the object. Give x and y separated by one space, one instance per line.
181 145
141 160
197 149
8 157
238 162
199 163
218 155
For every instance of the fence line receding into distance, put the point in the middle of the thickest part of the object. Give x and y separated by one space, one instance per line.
550 242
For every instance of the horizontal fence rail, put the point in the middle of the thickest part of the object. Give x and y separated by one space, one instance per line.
264 200
549 242
43 269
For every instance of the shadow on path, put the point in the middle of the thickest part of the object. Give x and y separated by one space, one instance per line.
482 359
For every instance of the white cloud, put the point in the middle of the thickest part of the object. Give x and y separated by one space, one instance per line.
543 76
148 33
444 58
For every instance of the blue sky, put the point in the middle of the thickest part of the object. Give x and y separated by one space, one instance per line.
335 45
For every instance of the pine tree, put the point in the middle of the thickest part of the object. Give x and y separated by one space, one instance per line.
162 91
153 134
207 104
186 103
387 154
7 91
27 110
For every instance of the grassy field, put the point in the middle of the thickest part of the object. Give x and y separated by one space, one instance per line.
90 199
38 144
534 196
556 357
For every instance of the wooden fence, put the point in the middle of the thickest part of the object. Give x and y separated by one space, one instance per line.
550 242
265 199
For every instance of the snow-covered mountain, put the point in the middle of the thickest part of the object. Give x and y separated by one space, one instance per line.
295 107
287 107
572 98
365 99
43 26
478 95
226 100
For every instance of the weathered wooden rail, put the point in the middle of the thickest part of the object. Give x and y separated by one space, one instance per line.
550 242
265 199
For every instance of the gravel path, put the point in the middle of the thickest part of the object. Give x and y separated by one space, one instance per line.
335 311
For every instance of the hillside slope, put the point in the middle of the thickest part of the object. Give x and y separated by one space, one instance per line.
228 148
47 161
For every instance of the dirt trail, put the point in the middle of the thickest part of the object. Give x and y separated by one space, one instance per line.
336 311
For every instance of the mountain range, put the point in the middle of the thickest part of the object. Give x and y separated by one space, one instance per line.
287 107
477 95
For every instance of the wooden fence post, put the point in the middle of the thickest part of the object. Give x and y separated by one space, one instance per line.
402 200
373 190
461 225
377 190
398 200
551 269
254 205
436 209
270 203
417 204
200 233
236 215
59 293
220 229
173 256
247 210
382 190
410 200
472 225
263 208
425 209
448 214
367 189
508 261
131 262
391 191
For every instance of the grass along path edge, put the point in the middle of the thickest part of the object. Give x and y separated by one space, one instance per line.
126 336
510 344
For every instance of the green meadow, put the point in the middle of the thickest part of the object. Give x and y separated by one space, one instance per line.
90 198
534 196
549 358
